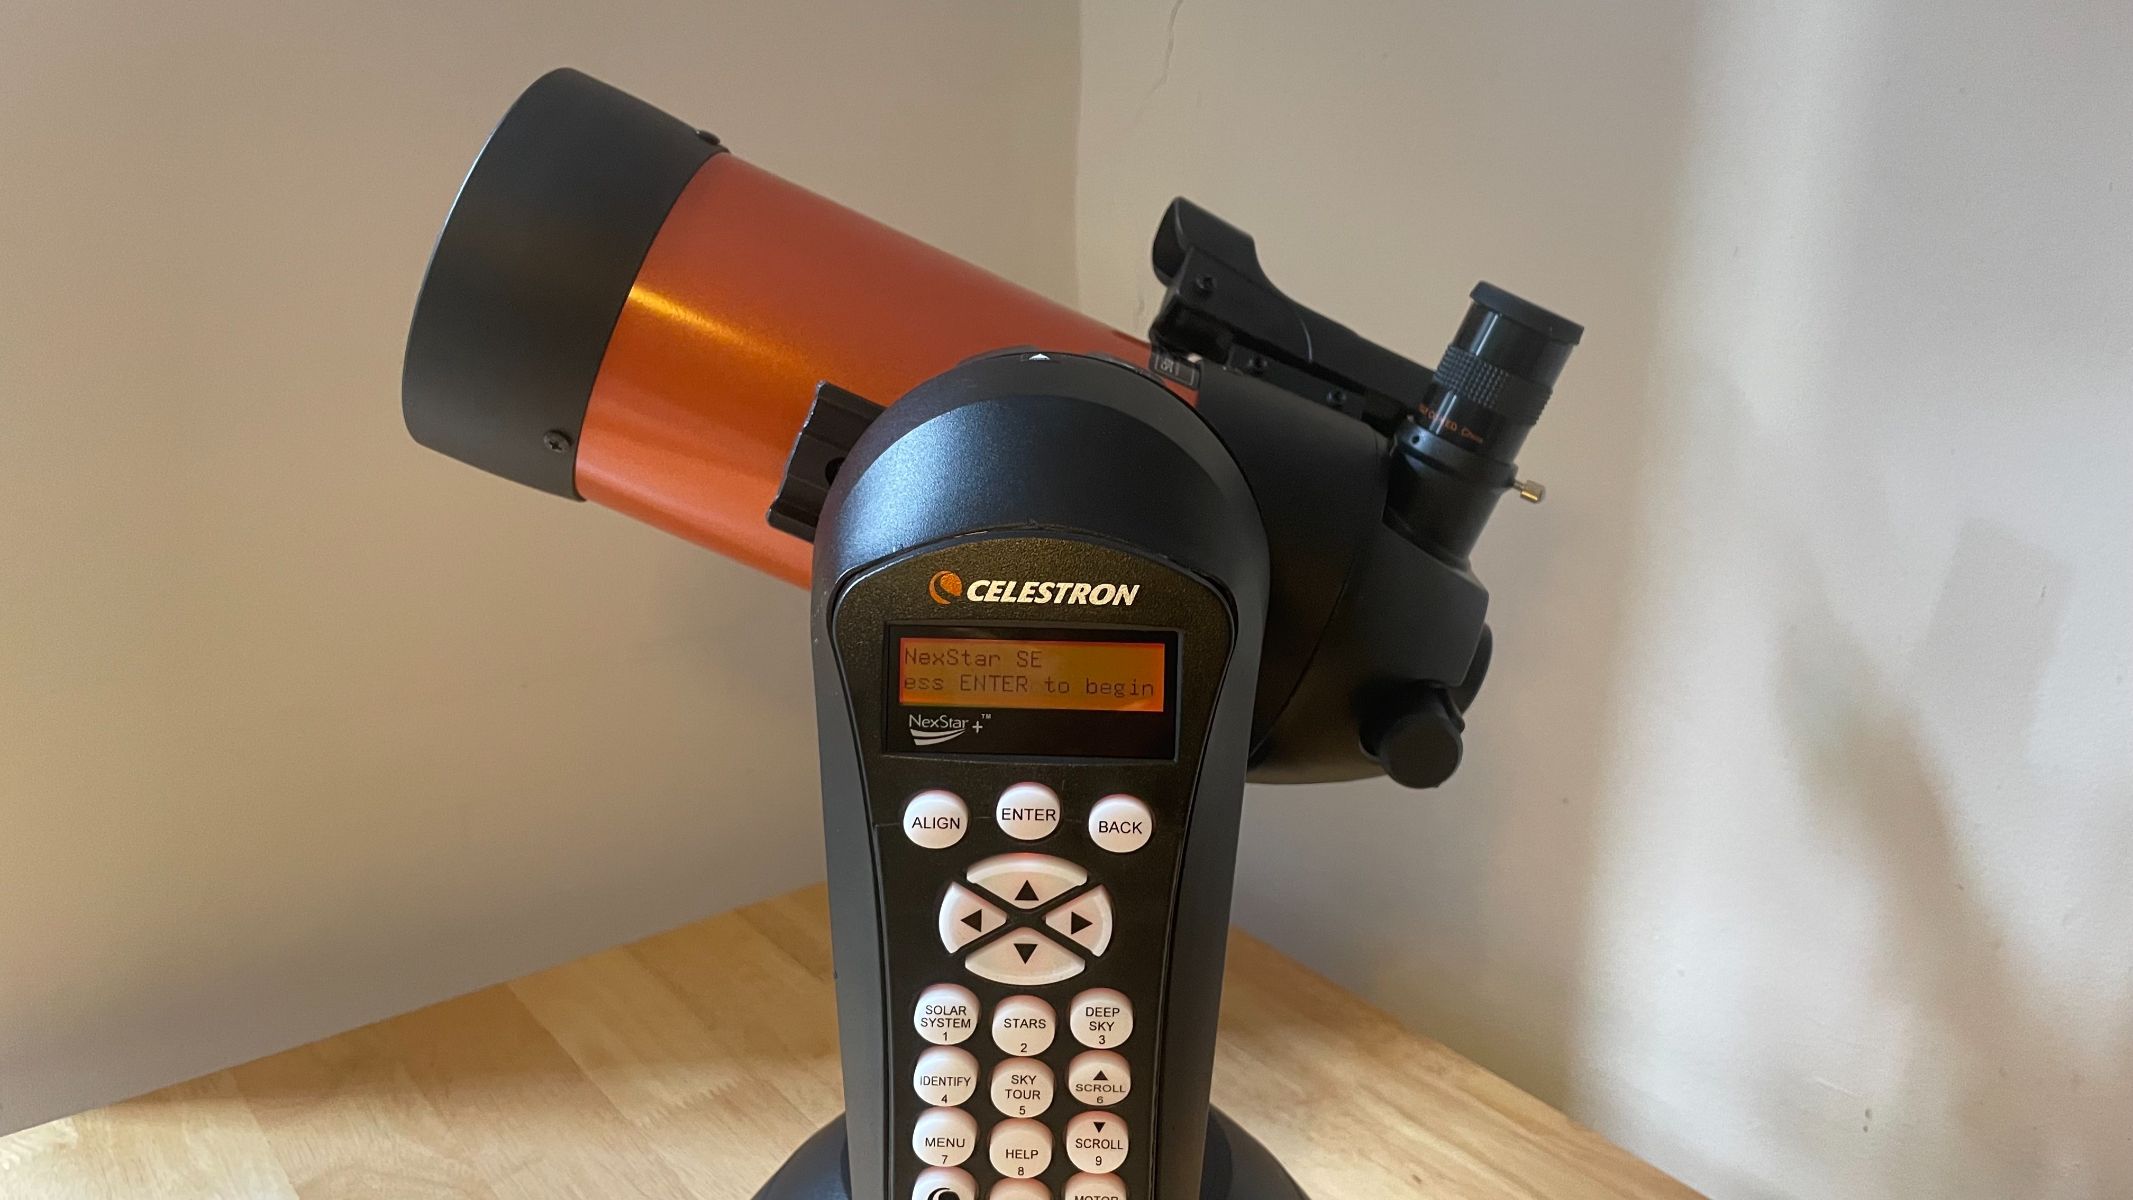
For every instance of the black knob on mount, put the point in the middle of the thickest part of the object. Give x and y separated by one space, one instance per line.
1417 739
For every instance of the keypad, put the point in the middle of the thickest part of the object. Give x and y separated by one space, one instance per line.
1033 920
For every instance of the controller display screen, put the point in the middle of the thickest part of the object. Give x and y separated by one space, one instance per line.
1053 692
1028 673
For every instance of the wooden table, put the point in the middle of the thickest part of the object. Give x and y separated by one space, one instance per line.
689 1064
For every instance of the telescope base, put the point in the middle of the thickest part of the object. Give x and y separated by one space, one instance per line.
1238 1168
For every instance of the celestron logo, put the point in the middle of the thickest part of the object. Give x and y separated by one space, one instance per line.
945 586
933 730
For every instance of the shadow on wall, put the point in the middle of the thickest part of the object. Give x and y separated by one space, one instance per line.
1986 1056
1544 156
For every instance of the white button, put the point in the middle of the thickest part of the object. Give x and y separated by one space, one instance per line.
1018 1189
945 1136
1020 1149
1026 958
1120 824
946 1014
945 1183
1024 1025
1086 919
1094 1187
966 917
1022 1087
1028 811
1096 1141
936 819
1098 1078
1101 1017
946 1075
1027 880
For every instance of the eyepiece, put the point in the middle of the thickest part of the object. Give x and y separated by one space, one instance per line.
1497 374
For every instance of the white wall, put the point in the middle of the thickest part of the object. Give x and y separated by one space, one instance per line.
301 725
1794 841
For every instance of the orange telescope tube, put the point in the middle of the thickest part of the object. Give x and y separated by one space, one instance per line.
620 310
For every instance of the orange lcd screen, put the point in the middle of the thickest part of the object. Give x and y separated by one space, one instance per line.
1122 677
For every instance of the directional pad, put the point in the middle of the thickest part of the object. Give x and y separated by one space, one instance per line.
1086 919
1025 958
1027 880
967 916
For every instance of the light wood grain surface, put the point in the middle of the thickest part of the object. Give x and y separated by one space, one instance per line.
688 1064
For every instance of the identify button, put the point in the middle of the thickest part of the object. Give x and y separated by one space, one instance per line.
966 917
1098 1078
1027 880
1026 958
936 819
945 1014
1120 824
945 1137
1028 811
1096 1141
946 1076
1086 919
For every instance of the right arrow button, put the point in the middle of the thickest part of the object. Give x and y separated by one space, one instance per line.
1086 919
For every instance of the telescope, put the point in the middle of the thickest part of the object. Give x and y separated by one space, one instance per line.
1070 590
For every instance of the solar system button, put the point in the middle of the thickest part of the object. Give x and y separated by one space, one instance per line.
945 1014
